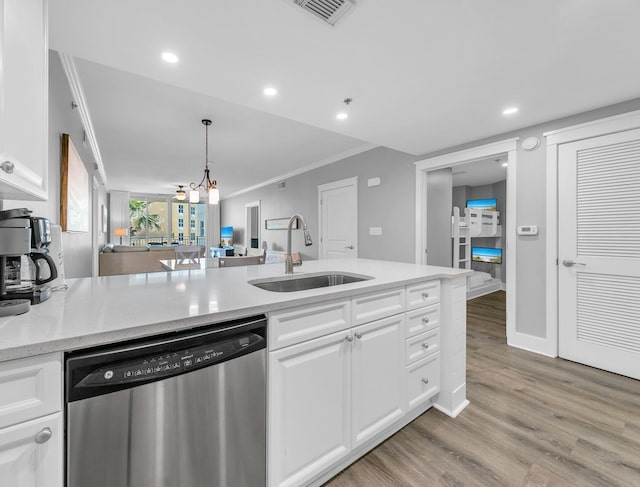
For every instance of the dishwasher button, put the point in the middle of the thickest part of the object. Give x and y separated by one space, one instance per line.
108 374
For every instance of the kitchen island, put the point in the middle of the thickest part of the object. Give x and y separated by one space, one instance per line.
398 340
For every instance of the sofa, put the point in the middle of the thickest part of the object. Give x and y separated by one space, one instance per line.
125 259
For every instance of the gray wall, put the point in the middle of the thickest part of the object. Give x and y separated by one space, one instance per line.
77 247
389 205
439 211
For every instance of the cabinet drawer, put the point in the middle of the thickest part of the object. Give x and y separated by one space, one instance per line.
30 388
306 322
421 346
423 294
423 319
423 380
377 305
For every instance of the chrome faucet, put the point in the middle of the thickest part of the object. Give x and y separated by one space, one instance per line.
289 263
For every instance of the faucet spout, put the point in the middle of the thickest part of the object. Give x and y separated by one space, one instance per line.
289 262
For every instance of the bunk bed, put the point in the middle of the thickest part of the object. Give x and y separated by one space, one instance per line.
475 223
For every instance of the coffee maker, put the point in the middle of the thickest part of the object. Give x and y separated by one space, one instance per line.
18 282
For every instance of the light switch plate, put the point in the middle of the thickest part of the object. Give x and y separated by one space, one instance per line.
375 230
373 182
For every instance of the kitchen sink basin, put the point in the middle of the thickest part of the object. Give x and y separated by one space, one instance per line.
288 284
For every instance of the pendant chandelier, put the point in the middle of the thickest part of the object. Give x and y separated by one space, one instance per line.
209 186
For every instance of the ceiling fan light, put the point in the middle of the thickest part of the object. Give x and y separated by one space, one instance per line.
194 196
181 194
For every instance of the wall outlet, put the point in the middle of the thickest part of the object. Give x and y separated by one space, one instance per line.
375 230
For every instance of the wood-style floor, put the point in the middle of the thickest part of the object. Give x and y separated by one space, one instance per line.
532 421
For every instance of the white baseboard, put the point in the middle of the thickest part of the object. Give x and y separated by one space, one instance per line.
455 412
531 343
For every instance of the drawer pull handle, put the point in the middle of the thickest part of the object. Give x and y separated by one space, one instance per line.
425 295
7 166
425 320
348 338
425 345
358 335
43 435
425 380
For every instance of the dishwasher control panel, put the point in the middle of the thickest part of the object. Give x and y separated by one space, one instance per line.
168 364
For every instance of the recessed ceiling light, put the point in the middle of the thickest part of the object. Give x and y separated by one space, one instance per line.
510 111
505 164
169 57
342 116
270 91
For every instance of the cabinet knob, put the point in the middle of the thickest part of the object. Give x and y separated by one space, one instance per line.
425 295
358 335
425 345
425 380
348 338
43 435
351 247
7 166
425 320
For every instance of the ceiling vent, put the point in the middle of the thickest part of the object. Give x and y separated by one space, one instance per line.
329 11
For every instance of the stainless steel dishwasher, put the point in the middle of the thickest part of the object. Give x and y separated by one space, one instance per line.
182 410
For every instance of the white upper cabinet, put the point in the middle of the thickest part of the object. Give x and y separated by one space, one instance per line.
23 99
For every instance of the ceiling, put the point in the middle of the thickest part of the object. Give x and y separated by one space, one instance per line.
424 75
479 173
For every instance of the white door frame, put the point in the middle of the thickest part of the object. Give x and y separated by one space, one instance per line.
603 126
247 219
335 185
495 149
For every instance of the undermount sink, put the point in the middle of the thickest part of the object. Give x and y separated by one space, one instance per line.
310 281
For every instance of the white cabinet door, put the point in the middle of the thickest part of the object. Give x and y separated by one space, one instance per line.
23 99
28 458
310 408
378 386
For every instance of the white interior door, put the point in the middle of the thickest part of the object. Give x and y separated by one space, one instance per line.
599 252
338 203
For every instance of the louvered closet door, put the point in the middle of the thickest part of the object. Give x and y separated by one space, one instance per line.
599 252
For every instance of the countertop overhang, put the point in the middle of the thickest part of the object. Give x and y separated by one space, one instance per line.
100 310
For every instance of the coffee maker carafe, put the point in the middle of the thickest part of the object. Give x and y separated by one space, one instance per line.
19 282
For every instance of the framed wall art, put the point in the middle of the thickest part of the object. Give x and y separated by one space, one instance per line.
74 189
279 224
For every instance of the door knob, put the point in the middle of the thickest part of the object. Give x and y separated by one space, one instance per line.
43 435
349 247
571 263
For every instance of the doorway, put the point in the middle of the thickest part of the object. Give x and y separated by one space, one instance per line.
506 151
338 219
252 227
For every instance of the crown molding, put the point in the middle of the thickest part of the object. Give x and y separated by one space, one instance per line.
314 165
69 67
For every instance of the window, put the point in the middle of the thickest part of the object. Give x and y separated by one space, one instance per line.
180 209
180 236
148 220
180 222
192 210
197 222
192 236
193 224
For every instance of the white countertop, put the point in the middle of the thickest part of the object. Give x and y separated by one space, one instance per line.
101 310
